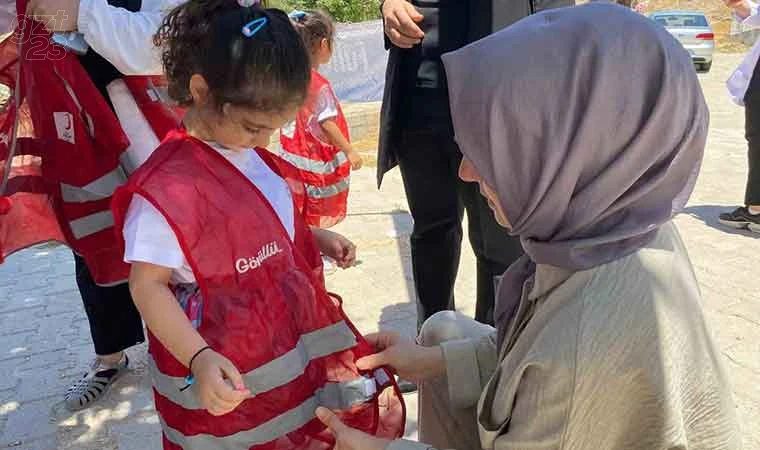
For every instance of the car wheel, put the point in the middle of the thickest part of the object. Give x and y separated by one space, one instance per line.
706 67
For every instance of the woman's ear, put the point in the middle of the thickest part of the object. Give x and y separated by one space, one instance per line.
199 90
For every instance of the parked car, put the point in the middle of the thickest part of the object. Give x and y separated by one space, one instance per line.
693 30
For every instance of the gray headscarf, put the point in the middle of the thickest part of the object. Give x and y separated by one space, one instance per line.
590 125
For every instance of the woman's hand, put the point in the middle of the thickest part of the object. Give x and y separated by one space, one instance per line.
220 385
409 360
335 246
348 438
56 15
401 19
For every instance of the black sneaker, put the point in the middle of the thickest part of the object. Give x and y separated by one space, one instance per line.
741 219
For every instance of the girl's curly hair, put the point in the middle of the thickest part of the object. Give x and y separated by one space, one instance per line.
268 71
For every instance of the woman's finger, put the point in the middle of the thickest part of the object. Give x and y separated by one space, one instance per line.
372 362
382 340
331 421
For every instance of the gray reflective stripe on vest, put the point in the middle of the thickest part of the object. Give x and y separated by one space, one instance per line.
279 426
327 191
280 371
91 224
99 189
310 165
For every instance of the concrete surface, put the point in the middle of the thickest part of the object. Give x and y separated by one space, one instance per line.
45 344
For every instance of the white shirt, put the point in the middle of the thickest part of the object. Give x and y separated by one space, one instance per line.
738 83
149 238
122 37
125 39
325 108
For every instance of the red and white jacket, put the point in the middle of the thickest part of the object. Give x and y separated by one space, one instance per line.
63 150
323 167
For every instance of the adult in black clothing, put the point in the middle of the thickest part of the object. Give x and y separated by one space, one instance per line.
416 133
119 33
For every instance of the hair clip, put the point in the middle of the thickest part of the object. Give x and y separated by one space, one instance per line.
248 3
297 15
254 26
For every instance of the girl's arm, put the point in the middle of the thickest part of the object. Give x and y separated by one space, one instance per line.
159 308
161 311
336 138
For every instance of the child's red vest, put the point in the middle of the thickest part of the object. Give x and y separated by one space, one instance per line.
323 167
60 150
264 307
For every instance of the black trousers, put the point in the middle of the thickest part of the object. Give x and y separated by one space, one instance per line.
752 133
115 323
429 162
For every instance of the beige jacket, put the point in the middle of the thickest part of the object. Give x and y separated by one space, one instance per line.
613 358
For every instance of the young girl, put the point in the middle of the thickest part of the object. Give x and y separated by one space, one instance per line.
317 143
225 271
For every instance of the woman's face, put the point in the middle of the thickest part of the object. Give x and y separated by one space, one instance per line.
468 173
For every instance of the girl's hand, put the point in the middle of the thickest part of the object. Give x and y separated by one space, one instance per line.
220 385
347 438
336 247
409 360
356 160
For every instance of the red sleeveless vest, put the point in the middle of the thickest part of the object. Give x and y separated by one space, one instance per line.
60 151
264 307
323 167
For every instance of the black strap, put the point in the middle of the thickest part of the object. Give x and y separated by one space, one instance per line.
100 70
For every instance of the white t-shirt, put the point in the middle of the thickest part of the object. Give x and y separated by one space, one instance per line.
149 238
326 108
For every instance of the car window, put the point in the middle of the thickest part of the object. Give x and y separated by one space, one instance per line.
681 20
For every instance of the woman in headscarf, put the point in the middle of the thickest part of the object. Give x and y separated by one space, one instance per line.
585 128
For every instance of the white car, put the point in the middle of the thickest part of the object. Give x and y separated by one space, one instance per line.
693 31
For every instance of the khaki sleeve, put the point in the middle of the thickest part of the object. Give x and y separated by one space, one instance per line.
469 365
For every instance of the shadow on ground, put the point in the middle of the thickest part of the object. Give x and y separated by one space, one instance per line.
708 214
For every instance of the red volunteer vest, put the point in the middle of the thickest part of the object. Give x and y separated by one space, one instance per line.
323 167
60 150
264 307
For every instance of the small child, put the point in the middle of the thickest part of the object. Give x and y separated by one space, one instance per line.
317 143
225 271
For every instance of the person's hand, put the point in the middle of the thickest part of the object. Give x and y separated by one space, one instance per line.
356 160
335 246
742 8
409 360
219 383
734 3
347 438
56 15
401 18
